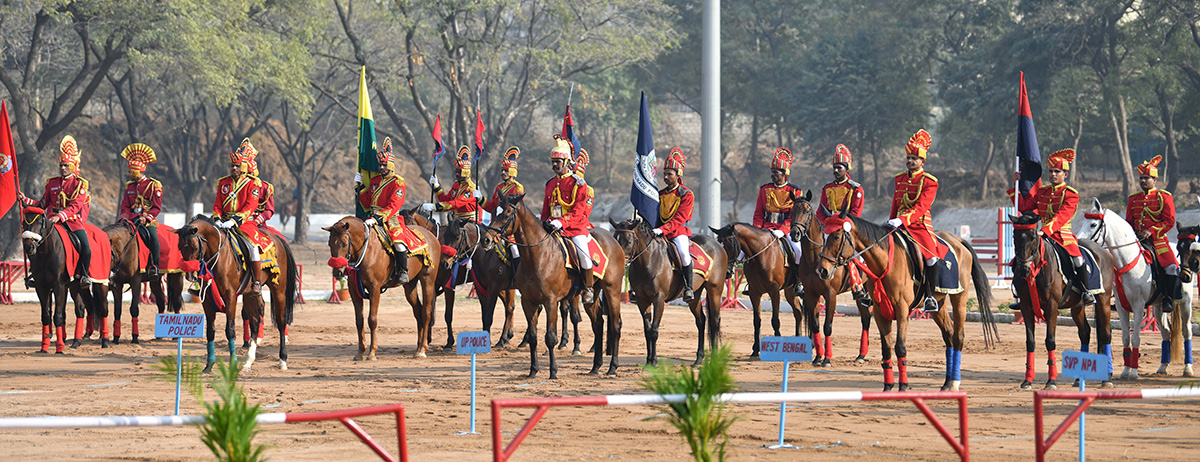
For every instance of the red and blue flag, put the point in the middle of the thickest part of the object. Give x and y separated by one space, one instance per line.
1028 157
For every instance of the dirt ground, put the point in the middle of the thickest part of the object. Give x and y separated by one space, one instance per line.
122 381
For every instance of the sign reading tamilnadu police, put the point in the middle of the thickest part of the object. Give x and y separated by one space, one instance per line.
168 325
780 349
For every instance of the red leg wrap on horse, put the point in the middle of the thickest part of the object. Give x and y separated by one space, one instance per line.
287 330
60 342
862 344
91 324
903 369
818 346
1053 368
1133 359
104 327
134 328
888 377
260 330
1029 372
246 329
1126 354
116 328
79 328
828 347
46 336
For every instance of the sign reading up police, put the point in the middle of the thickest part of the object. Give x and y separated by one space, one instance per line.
473 342
168 325
792 349
1086 366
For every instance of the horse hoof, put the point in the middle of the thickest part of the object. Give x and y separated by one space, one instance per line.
1026 385
576 352
421 354
133 340
611 373
75 344
888 386
104 343
594 372
87 336
826 363
1133 374
43 352
1050 385
358 358
246 367
902 387
245 344
283 365
860 359
1162 370
954 386
1107 384
1187 371
207 369
754 355
532 374
1075 384
372 358
58 352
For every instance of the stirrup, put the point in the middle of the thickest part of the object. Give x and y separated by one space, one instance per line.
931 305
256 288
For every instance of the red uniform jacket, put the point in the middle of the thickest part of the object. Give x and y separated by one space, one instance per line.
384 198
507 188
236 200
142 198
460 199
1154 210
911 203
68 198
266 203
1056 206
675 211
567 201
841 195
774 207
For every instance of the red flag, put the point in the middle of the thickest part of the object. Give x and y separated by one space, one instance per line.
438 150
479 129
8 163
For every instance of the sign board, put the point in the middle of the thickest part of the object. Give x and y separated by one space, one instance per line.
167 325
1085 366
474 342
792 349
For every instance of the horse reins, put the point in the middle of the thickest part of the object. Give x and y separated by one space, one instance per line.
629 259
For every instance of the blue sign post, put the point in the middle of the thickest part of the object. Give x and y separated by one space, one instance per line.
473 343
785 349
180 326
1084 366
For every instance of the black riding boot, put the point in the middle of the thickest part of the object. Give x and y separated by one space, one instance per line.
401 267
512 271
150 237
687 283
1081 277
256 285
85 257
1172 291
931 304
589 280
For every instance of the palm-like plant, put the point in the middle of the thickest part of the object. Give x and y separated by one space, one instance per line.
701 417
231 423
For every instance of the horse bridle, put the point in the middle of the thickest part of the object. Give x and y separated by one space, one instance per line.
734 238
350 243
633 231
1040 252
461 254
843 261
511 221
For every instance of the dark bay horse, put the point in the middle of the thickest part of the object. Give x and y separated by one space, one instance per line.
889 274
762 261
48 270
809 231
492 271
126 271
545 283
355 247
209 251
655 281
1034 258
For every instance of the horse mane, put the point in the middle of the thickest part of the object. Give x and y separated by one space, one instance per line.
1190 230
873 232
204 218
1027 218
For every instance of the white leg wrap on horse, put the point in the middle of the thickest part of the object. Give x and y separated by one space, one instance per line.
796 250
683 246
581 246
516 252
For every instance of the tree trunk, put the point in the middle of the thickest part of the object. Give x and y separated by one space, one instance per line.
303 197
987 166
1120 125
1078 133
1168 118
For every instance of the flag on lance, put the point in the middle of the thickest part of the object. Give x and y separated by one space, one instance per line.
644 195
8 163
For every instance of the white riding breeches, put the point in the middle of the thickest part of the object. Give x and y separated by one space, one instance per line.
512 248
253 253
683 246
932 261
796 250
1078 261
1172 270
581 246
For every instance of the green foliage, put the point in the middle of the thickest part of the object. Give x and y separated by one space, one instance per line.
231 422
701 418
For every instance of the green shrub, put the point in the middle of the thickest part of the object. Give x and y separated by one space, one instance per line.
701 418
231 422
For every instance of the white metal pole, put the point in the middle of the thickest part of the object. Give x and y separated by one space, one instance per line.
710 127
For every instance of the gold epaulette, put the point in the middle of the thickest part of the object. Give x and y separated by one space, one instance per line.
934 178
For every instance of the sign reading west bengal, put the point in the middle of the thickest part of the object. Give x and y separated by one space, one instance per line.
792 349
1085 366
167 325
473 342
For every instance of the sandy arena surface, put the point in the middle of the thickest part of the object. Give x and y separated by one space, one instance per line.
122 381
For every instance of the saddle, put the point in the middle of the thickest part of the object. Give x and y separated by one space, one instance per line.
1066 268
701 260
599 258
947 276
267 261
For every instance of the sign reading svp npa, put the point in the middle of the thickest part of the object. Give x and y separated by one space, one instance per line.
168 325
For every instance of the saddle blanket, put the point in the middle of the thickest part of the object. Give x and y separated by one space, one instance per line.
947 275
272 230
701 260
597 254
1067 269
168 251
101 264
267 261
417 247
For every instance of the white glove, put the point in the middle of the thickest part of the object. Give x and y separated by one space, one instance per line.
370 221
658 231
358 177
777 233
433 180
556 224
227 224
894 223
427 207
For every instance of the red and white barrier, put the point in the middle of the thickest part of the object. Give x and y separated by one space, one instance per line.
1086 399
345 416
501 453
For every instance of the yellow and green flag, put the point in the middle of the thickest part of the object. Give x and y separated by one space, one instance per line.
368 163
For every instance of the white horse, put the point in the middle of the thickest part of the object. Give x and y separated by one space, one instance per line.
1135 288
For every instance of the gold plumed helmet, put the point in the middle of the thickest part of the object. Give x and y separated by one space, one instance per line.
462 162
1149 168
69 152
919 144
138 155
510 160
562 149
1062 159
384 155
782 160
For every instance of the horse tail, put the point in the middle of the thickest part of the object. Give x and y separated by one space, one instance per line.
983 295
289 300
1177 327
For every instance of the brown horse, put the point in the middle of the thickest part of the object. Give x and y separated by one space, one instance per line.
209 252
1035 258
356 248
127 271
491 269
889 276
808 230
47 273
655 281
762 261
544 284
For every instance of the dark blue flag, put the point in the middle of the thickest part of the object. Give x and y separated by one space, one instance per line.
1028 156
644 195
